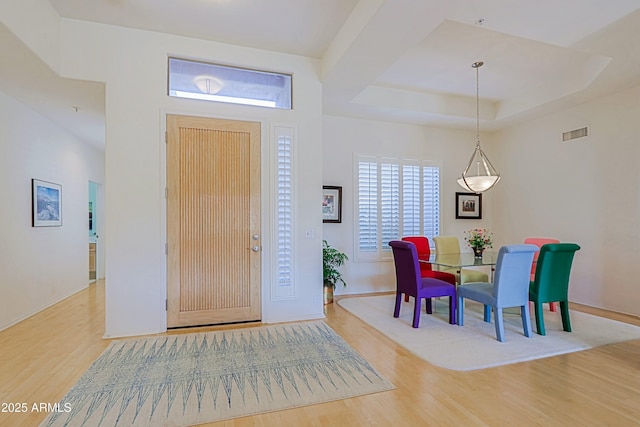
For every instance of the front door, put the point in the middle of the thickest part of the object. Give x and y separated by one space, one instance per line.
213 221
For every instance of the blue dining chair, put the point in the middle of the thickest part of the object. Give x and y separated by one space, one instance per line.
510 288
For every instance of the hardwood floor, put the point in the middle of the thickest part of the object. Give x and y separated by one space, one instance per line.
42 357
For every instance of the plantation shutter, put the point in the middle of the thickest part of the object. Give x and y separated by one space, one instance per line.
389 204
431 201
285 255
283 286
396 198
367 206
411 196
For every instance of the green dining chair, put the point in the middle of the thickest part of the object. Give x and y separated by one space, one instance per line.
450 245
551 282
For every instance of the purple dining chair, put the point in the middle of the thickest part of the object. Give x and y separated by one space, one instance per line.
424 252
410 282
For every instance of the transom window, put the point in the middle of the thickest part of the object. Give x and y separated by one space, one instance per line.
211 82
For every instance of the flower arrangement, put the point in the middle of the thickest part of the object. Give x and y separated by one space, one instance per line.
479 238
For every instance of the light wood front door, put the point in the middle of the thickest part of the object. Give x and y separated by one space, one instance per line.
213 221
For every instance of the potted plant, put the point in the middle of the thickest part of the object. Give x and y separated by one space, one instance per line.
332 260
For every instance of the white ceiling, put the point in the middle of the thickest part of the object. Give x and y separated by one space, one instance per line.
398 60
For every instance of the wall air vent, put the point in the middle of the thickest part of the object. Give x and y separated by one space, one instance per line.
575 134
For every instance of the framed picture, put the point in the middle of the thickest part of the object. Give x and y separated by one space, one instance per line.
46 206
331 203
468 206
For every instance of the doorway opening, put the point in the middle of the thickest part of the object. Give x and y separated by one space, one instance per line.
93 231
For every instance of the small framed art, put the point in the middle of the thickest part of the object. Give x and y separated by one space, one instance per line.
331 203
468 206
46 206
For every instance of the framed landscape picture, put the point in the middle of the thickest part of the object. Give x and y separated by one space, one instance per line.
468 206
331 203
46 207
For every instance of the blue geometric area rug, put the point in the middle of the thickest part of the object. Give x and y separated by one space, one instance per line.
182 380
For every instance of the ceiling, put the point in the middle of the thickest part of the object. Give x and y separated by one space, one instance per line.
397 60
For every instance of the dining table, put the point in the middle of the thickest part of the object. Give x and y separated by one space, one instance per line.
462 260
465 260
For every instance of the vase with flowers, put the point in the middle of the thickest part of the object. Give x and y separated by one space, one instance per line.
479 239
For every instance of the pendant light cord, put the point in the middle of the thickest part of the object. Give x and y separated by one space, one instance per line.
477 65
477 107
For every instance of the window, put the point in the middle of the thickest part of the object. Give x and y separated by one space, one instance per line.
284 283
396 197
210 82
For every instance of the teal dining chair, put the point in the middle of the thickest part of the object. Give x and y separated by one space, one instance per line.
510 288
551 282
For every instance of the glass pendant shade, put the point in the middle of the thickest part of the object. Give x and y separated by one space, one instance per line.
479 175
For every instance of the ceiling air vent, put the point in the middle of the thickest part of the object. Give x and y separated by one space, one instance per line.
575 134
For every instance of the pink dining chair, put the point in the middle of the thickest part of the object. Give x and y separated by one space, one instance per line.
539 241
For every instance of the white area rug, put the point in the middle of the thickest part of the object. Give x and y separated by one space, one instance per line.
474 345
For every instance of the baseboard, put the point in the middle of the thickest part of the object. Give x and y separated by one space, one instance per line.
620 316
136 334
38 310
290 319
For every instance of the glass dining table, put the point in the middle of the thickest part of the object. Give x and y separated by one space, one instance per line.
463 260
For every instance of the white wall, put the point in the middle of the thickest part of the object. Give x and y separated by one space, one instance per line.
585 191
544 191
36 23
41 265
134 66
343 138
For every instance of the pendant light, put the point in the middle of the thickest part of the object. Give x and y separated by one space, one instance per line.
479 175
